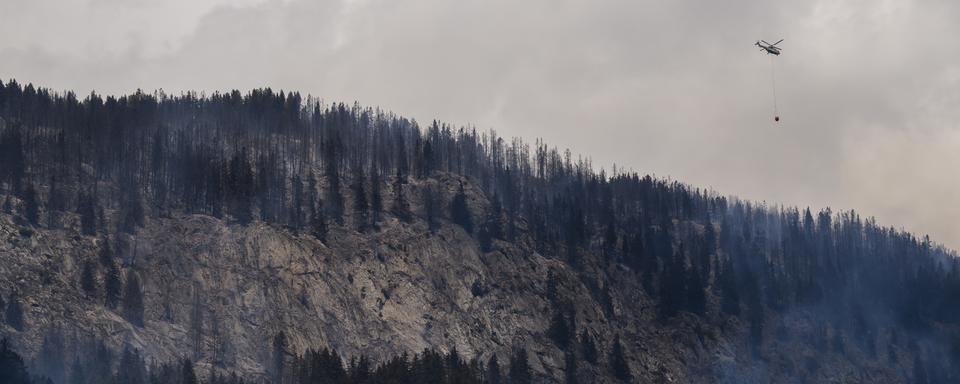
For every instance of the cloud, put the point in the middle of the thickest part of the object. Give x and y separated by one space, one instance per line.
868 90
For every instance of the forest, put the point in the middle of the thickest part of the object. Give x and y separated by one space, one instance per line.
293 161
102 365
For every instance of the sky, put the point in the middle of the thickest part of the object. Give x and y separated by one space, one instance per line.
868 90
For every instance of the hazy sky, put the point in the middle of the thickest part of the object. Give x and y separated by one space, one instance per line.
869 90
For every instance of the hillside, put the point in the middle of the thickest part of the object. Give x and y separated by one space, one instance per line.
204 227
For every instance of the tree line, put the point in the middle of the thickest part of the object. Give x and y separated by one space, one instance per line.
95 363
284 159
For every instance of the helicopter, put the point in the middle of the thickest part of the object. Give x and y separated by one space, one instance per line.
770 48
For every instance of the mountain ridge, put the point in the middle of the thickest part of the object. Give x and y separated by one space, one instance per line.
448 238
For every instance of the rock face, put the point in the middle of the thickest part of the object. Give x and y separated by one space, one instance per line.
218 292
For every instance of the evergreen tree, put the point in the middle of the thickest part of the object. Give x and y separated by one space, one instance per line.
12 369
755 314
113 285
491 227
570 368
318 222
560 331
432 201
77 374
31 205
673 293
7 205
460 212
188 376
240 187
88 279
55 204
360 205
296 211
133 300
519 368
12 159
401 207
493 370
133 213
196 322
729 293
334 195
14 315
88 216
51 361
618 363
279 356
708 249
106 253
132 369
376 197
696 293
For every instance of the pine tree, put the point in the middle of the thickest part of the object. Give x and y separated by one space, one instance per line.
673 293
570 368
360 205
755 313
588 348
133 300
318 222
520 368
14 315
12 159
55 204
133 213
708 249
196 323
618 362
12 369
491 227
376 197
188 376
279 356
432 201
401 207
106 253
240 187
296 211
77 374
88 216
51 359
113 285
132 369
729 293
334 195
88 279
560 331
493 370
460 212
696 293
31 205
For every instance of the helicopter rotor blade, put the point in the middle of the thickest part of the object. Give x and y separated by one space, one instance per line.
764 42
777 42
